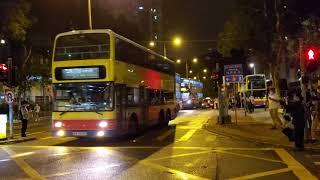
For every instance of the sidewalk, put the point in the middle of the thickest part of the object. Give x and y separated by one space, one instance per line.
43 121
255 127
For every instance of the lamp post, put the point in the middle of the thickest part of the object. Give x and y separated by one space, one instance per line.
90 14
194 60
177 41
252 65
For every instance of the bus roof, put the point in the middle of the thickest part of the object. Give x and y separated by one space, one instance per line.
109 31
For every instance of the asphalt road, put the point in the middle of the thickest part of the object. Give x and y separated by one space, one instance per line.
183 150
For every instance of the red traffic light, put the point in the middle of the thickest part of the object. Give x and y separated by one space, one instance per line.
3 67
312 54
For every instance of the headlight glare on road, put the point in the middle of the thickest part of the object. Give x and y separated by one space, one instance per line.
60 133
100 133
58 124
103 124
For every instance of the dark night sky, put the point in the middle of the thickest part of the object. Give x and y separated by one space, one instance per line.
192 19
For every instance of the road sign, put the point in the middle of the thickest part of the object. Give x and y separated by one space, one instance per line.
9 97
233 69
234 79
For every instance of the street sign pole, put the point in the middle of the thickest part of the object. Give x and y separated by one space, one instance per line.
9 99
11 120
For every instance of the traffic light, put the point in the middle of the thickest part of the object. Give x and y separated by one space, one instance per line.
3 73
312 54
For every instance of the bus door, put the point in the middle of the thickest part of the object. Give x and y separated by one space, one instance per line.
121 99
143 104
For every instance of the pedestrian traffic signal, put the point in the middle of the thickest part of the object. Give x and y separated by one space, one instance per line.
312 54
3 73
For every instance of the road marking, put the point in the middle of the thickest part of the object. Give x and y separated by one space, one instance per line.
249 156
188 135
181 155
32 173
317 163
298 169
267 173
180 174
164 135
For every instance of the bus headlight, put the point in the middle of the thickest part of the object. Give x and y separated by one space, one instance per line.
103 124
60 133
58 124
100 133
189 102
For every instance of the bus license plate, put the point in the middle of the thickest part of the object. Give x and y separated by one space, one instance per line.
79 133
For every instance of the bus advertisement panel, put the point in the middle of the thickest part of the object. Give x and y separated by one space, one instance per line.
107 85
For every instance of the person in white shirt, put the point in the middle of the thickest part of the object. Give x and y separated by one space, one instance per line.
37 111
274 105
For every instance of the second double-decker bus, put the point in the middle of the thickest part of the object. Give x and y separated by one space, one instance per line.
256 86
191 93
106 85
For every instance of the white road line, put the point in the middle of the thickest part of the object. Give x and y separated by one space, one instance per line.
188 135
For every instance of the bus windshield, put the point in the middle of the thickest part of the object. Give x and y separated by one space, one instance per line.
256 83
82 47
83 97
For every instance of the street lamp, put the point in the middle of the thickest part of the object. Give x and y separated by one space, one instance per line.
190 72
152 44
195 60
2 41
194 77
205 70
178 61
204 77
177 41
252 65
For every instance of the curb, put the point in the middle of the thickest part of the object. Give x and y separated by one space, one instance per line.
253 140
14 141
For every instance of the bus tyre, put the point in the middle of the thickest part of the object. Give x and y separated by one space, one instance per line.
133 125
168 115
162 119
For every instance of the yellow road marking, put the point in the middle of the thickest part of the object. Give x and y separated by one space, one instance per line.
257 175
180 155
298 169
317 163
32 173
248 156
181 175
22 154
165 135
188 135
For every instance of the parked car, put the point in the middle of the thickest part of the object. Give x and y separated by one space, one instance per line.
207 103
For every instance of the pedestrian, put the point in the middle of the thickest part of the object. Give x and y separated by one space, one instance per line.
316 114
36 112
24 113
274 105
252 104
296 109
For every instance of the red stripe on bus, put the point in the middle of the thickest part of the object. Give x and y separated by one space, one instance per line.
85 124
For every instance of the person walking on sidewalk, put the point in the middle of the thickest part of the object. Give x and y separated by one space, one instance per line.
316 114
36 112
296 109
24 113
274 105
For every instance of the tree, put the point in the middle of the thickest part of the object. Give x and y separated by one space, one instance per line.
18 25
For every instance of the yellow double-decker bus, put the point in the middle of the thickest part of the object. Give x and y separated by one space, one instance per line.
106 85
256 86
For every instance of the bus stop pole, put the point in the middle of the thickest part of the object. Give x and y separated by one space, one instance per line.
90 14
11 120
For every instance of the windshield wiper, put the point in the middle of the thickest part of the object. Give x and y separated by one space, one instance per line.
62 113
97 110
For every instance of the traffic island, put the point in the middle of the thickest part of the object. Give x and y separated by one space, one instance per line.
254 127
